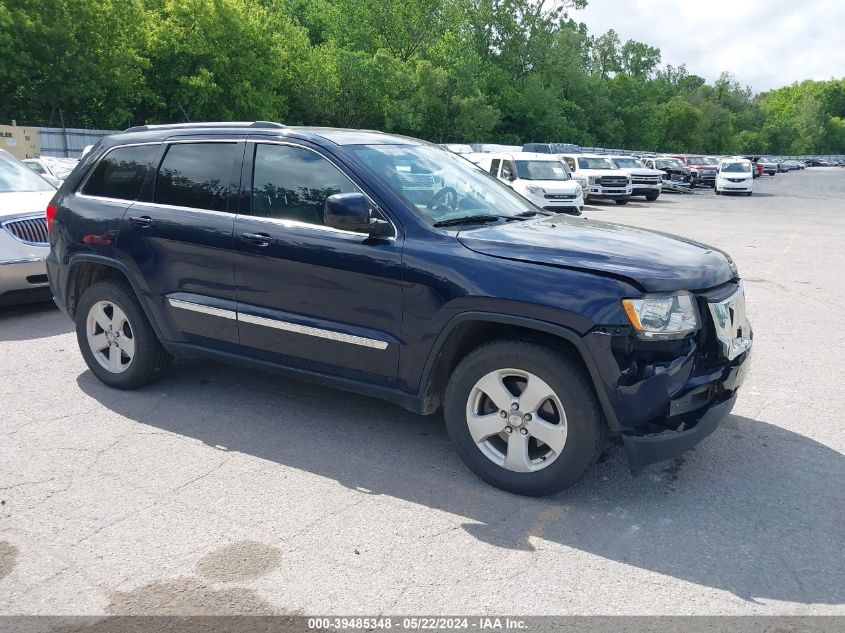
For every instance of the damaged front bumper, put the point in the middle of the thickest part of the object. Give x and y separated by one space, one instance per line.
663 398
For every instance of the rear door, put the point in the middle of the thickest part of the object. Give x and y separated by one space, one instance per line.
310 296
177 239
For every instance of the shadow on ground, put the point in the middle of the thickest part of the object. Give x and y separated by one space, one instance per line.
756 510
32 321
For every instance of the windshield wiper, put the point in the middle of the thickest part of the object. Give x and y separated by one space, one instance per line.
468 219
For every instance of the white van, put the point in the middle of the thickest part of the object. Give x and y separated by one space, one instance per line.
735 175
605 181
540 178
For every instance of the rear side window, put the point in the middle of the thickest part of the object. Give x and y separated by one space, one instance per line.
494 166
121 172
195 175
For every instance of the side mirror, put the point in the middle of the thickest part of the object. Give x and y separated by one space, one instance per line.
512 176
352 212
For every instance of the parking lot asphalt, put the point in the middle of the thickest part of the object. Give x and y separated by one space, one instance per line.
220 490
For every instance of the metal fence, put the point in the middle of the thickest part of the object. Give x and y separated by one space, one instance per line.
68 142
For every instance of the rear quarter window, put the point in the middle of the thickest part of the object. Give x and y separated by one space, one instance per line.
121 172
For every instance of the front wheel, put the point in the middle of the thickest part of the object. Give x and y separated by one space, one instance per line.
651 197
523 417
621 200
748 193
716 189
116 339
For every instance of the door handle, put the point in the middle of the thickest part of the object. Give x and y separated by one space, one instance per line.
141 221
259 239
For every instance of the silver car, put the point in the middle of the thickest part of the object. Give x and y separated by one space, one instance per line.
24 245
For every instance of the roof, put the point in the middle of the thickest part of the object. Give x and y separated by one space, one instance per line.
337 136
518 156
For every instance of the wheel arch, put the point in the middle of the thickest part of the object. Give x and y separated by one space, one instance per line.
467 331
86 269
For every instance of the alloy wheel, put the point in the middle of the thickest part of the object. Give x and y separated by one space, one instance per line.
110 337
516 420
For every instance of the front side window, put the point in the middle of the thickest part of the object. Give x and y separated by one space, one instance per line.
15 176
570 162
440 186
292 183
195 175
507 170
542 170
121 172
595 163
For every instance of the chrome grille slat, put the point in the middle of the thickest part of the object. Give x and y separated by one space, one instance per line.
28 230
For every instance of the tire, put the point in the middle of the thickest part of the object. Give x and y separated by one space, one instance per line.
622 200
651 197
748 193
542 470
141 359
718 193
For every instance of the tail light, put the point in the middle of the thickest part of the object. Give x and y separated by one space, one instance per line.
51 213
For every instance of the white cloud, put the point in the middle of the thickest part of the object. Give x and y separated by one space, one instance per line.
763 43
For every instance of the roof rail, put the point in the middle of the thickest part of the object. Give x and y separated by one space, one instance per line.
208 124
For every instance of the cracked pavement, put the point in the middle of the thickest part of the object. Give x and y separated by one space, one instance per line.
221 490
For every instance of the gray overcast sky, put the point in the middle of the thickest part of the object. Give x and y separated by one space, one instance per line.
763 43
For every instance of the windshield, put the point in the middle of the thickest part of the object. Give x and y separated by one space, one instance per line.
542 170
15 176
709 161
628 163
665 163
439 185
595 163
696 160
736 167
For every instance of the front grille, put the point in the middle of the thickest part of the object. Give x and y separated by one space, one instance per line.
646 180
29 230
613 181
560 196
736 179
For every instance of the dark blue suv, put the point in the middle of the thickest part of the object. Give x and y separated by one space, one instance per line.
387 266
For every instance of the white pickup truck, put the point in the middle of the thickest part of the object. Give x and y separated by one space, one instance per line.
644 181
604 180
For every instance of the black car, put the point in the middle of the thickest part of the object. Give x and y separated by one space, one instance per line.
387 266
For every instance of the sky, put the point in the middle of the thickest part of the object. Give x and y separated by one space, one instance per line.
764 43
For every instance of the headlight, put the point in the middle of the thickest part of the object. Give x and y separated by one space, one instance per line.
578 190
663 317
537 191
594 179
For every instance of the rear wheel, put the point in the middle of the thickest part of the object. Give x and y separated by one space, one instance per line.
116 339
524 418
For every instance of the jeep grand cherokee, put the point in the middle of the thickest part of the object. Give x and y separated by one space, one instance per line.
387 266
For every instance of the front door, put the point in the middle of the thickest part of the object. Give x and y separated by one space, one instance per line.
310 296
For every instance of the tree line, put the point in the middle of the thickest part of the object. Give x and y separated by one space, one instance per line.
502 71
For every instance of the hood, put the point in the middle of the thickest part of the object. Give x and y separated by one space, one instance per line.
552 186
16 203
655 262
641 171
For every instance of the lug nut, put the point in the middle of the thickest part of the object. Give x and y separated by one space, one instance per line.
504 414
523 431
515 406
508 429
528 417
